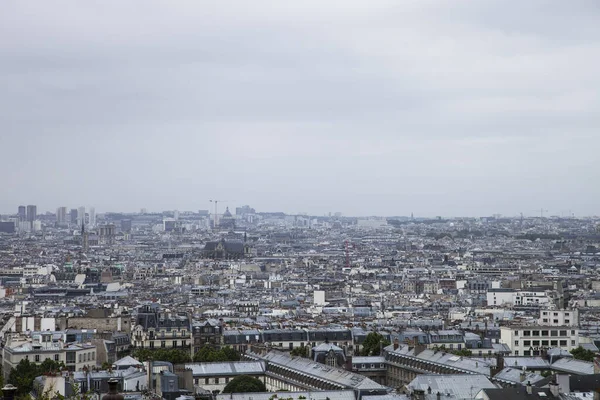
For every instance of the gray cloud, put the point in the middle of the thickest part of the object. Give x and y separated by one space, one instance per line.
381 107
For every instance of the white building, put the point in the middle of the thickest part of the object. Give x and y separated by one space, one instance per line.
532 340
559 317
512 297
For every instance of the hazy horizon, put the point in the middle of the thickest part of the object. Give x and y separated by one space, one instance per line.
431 107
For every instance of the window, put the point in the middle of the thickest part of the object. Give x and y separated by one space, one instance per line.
216 381
535 333
572 343
527 343
544 333
37 358
516 342
556 314
226 379
554 343
526 333
174 343
563 342
516 352
553 333
556 321
572 332
544 343
527 353
545 313
206 381
151 345
536 342
567 321
162 344
56 358
545 320
563 333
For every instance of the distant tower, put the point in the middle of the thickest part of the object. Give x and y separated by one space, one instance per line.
61 216
81 215
22 213
31 215
73 216
92 221
84 239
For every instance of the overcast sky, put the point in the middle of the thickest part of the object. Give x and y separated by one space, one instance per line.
437 107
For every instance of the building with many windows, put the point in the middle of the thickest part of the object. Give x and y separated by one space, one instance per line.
535 340
40 346
154 329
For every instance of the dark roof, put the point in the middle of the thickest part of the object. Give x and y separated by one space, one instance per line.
515 393
584 383
229 246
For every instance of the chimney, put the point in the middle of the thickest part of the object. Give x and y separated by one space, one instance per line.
554 389
522 377
113 393
418 394
529 388
396 344
419 348
9 392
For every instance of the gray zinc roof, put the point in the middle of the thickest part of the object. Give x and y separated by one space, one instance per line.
227 368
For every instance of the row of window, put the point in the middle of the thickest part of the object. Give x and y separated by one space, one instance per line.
163 344
214 381
545 342
567 321
555 314
545 333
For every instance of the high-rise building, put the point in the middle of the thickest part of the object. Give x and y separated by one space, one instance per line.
92 216
80 216
73 219
31 213
22 213
61 215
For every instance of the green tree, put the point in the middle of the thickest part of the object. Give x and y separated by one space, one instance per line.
245 384
373 344
174 356
300 352
582 354
210 354
23 375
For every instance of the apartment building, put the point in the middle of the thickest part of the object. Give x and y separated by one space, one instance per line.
535 340
559 317
47 345
154 329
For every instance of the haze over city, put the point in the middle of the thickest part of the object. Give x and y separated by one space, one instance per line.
453 108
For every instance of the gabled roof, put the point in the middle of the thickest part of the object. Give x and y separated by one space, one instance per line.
127 361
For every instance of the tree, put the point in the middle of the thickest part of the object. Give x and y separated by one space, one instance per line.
245 384
582 354
23 375
210 354
300 352
373 344
174 356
